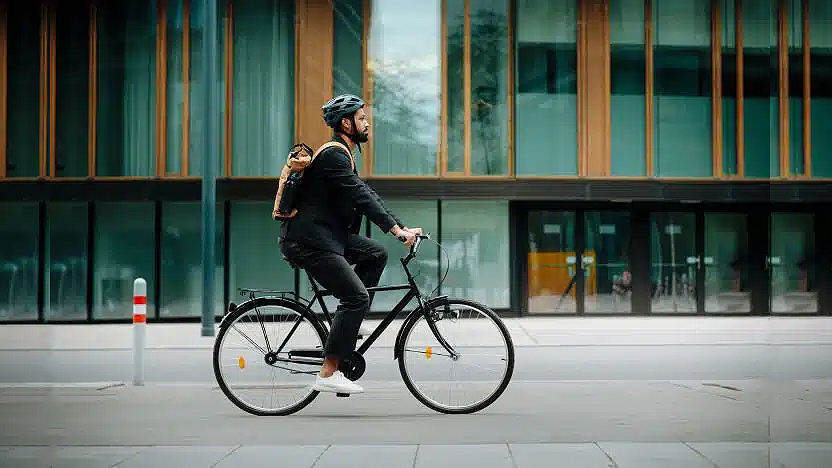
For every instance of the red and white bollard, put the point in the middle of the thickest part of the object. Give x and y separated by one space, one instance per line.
139 329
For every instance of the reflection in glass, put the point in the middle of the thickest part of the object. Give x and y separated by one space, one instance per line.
606 264
792 270
760 89
552 262
489 87
347 58
23 92
264 83
475 235
820 40
546 126
627 85
455 24
404 66
726 263
126 110
19 261
254 255
673 262
124 251
66 262
71 89
181 270
729 87
682 88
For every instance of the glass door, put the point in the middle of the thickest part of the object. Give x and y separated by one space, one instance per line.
674 263
793 285
552 269
605 262
726 263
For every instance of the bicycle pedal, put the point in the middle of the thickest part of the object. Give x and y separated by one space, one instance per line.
342 395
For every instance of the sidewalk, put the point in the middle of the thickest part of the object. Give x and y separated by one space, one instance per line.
585 455
527 331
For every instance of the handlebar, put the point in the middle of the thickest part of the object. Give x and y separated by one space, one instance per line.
415 247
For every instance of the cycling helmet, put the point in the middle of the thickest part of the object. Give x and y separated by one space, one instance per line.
340 107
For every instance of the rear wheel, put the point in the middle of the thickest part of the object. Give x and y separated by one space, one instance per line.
478 376
266 356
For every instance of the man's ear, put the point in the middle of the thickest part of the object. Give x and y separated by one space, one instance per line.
346 125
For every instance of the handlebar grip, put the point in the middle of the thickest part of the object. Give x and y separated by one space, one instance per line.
401 238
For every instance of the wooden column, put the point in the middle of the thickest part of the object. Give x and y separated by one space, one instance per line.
313 69
597 91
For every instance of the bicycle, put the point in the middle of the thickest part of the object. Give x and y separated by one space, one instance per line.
434 312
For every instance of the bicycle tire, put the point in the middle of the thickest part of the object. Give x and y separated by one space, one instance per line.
226 324
408 326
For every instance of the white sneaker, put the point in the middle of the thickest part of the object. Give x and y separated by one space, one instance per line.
336 383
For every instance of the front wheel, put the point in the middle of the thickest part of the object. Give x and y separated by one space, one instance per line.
480 373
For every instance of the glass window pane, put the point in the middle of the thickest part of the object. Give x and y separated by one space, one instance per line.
404 48
175 89
124 250
254 256
72 89
19 229
729 88
795 20
66 253
760 89
126 111
475 236
197 103
673 262
726 265
606 262
682 88
264 84
455 64
547 98
181 284
347 61
489 87
820 39
793 281
551 260
23 58
627 85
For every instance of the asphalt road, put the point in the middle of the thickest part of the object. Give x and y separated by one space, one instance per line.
565 363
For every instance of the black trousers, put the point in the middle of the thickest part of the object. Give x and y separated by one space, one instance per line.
334 273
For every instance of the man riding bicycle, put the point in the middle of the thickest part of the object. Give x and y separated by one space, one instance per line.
323 238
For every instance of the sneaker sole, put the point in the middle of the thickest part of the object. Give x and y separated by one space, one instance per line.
328 389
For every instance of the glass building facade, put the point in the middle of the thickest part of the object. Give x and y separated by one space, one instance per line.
572 157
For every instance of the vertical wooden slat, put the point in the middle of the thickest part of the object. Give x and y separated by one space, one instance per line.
783 95
186 85
740 90
443 109
53 52
4 82
44 89
229 83
92 86
314 80
648 92
596 92
716 82
510 85
807 93
466 66
607 116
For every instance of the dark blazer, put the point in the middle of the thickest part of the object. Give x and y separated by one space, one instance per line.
332 203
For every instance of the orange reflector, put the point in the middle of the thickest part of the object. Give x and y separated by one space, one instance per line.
428 352
241 362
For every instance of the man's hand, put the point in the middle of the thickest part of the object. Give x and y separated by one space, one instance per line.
407 237
415 231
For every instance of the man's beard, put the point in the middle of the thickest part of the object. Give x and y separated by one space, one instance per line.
362 137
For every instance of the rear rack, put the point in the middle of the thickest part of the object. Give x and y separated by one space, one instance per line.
253 294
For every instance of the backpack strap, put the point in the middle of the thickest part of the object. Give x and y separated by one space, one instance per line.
330 144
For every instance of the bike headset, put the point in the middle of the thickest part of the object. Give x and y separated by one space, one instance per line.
339 107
